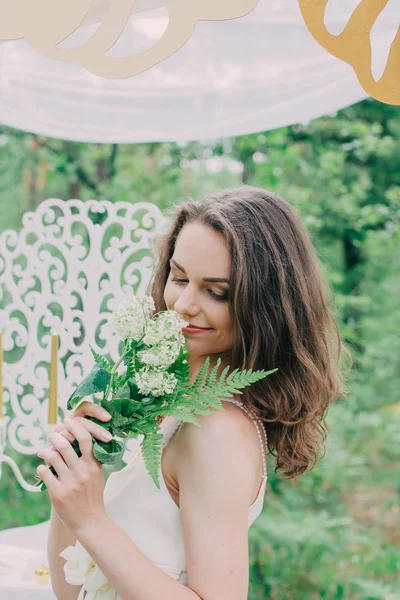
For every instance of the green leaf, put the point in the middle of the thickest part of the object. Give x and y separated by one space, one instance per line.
119 421
212 376
201 378
223 374
208 392
123 392
183 413
151 452
96 381
134 390
125 406
118 381
101 360
108 453
130 359
238 380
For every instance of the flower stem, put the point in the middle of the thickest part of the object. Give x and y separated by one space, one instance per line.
115 367
114 370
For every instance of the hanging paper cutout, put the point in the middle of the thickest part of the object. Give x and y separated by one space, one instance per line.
46 23
353 45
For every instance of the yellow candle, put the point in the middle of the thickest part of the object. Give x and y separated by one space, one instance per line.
53 380
1 374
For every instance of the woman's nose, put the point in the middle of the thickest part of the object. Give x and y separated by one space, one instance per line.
187 303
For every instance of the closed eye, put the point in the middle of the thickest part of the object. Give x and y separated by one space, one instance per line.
218 297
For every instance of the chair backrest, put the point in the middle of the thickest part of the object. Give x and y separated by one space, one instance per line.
69 265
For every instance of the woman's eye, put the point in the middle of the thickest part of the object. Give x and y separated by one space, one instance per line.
219 297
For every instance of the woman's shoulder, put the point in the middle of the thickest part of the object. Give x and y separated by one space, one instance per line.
231 426
221 437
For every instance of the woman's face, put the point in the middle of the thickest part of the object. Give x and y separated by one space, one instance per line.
197 289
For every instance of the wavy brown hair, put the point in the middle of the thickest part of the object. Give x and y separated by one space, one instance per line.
283 316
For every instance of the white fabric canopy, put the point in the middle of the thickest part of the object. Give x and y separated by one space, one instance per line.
255 73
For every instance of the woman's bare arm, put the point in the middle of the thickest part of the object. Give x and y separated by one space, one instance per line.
217 474
59 538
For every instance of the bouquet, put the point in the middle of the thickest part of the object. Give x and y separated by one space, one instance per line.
154 384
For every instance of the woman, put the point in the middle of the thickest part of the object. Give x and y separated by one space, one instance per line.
240 268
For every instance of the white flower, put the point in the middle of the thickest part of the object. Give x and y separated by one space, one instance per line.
80 569
161 355
130 318
166 325
155 382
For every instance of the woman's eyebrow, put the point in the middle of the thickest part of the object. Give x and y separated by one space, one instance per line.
209 279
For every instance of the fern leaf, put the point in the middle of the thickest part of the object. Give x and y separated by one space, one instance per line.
212 376
224 374
183 413
213 399
246 378
199 382
101 360
119 420
118 381
151 452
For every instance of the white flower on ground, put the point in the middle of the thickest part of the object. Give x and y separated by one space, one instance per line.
130 318
155 382
166 325
161 355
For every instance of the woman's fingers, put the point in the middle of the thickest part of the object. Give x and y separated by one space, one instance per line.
67 451
86 409
65 433
90 409
57 428
97 431
54 459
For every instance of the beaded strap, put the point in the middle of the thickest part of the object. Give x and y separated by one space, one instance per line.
257 423
168 436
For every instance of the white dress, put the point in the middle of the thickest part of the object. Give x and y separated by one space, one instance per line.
149 516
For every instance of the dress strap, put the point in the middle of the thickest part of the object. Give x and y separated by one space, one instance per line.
169 434
258 425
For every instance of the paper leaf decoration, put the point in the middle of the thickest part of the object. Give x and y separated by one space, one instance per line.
353 45
46 23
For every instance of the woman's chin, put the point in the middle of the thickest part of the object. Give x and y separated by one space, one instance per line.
197 350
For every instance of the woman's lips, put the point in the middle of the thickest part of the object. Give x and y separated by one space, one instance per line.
195 329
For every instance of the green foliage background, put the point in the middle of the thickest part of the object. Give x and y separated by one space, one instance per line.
334 533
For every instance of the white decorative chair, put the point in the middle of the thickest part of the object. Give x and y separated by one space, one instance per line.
68 267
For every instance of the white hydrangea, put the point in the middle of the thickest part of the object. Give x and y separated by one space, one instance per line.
161 355
155 382
130 318
166 325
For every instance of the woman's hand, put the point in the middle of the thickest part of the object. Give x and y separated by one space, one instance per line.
86 409
77 493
